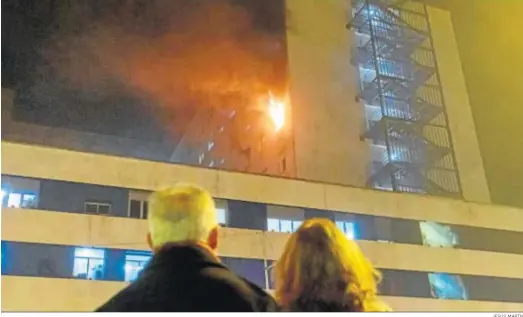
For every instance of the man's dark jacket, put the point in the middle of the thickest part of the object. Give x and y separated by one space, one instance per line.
189 279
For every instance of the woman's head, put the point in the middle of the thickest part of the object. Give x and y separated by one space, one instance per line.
320 264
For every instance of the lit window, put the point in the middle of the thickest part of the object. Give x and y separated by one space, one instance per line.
221 214
447 286
286 226
97 208
211 164
200 158
210 145
347 228
283 225
438 235
273 225
88 263
28 201
14 200
134 264
19 200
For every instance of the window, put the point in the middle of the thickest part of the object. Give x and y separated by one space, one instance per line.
447 286
134 264
438 235
19 192
88 263
347 228
14 200
283 166
135 209
138 209
221 214
28 201
138 205
145 210
283 225
222 211
96 208
19 200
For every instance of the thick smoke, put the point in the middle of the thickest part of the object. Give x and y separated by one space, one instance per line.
173 53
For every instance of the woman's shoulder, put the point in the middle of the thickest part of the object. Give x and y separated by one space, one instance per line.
319 306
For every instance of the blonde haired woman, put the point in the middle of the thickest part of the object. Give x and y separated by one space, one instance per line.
321 270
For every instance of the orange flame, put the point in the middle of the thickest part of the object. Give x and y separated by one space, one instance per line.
276 111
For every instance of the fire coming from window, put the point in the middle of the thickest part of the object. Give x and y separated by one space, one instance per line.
276 112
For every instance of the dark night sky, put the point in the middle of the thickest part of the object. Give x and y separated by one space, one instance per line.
55 57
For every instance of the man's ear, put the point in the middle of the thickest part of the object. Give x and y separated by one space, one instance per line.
149 241
212 240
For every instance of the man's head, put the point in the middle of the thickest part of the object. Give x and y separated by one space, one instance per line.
182 213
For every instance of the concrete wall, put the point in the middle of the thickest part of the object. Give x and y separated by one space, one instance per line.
124 233
461 123
326 118
81 295
71 197
90 168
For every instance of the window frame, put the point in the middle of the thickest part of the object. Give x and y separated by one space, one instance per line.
89 260
144 208
225 216
459 284
344 226
294 224
140 263
98 204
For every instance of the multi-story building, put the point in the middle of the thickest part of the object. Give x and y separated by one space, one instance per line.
73 232
379 104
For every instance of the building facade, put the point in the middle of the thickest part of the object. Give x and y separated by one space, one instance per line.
73 232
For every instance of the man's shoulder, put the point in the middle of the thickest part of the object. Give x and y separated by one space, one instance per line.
123 301
227 285
213 288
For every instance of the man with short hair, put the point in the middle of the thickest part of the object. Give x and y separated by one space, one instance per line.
185 274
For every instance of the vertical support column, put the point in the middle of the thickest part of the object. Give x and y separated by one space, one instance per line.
461 122
326 118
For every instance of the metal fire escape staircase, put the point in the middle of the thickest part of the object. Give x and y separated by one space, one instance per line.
405 112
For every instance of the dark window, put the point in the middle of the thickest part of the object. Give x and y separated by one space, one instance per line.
135 209
104 209
145 210
97 208
91 208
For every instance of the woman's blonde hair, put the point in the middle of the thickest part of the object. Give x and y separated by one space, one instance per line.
319 264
